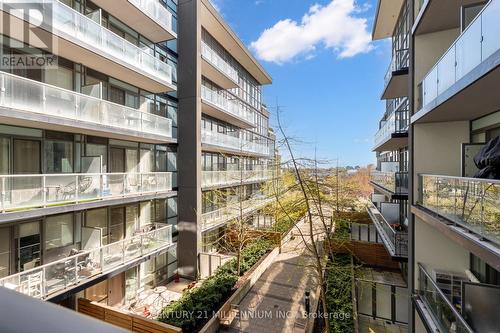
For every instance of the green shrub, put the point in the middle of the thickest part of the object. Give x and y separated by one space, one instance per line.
197 305
339 293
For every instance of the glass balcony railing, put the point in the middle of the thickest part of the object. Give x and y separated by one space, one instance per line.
397 122
444 314
69 24
400 60
19 93
469 202
397 241
395 182
474 45
43 281
216 60
235 143
20 192
233 211
234 177
156 12
231 107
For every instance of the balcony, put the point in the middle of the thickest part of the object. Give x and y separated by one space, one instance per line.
473 204
24 192
432 302
148 17
458 87
386 18
232 211
29 103
47 281
216 69
234 177
232 144
396 81
393 133
218 105
394 184
396 242
79 38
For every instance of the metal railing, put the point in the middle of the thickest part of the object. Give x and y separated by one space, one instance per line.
397 122
228 177
156 12
395 182
229 106
42 190
28 95
445 315
234 143
400 59
218 62
396 241
43 281
474 45
69 24
469 202
233 211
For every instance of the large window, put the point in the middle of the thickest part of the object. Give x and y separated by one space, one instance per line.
58 156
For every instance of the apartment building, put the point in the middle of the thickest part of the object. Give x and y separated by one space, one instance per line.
453 213
88 145
226 147
107 190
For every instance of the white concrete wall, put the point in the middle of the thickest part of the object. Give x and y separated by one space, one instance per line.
435 251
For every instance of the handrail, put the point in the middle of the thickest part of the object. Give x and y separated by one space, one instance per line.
445 299
479 180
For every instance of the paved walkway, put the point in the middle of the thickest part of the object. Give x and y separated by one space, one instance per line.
276 302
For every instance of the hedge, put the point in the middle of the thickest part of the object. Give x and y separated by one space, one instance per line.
339 294
197 306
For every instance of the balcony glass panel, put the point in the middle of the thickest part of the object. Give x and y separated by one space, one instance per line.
395 182
228 177
474 45
156 11
33 191
218 62
33 96
233 211
445 315
235 143
59 275
397 241
230 106
471 203
70 24
397 122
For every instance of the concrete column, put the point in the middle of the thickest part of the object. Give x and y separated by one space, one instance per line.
189 149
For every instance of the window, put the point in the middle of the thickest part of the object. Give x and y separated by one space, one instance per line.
58 156
58 231
4 156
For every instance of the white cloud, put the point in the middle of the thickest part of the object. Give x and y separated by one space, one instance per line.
333 26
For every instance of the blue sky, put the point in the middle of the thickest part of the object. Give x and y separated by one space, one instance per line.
327 77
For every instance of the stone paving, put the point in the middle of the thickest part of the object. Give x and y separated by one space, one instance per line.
276 302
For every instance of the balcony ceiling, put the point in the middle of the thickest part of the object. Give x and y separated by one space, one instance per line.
470 98
396 141
129 14
386 18
215 75
398 85
437 15
217 27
